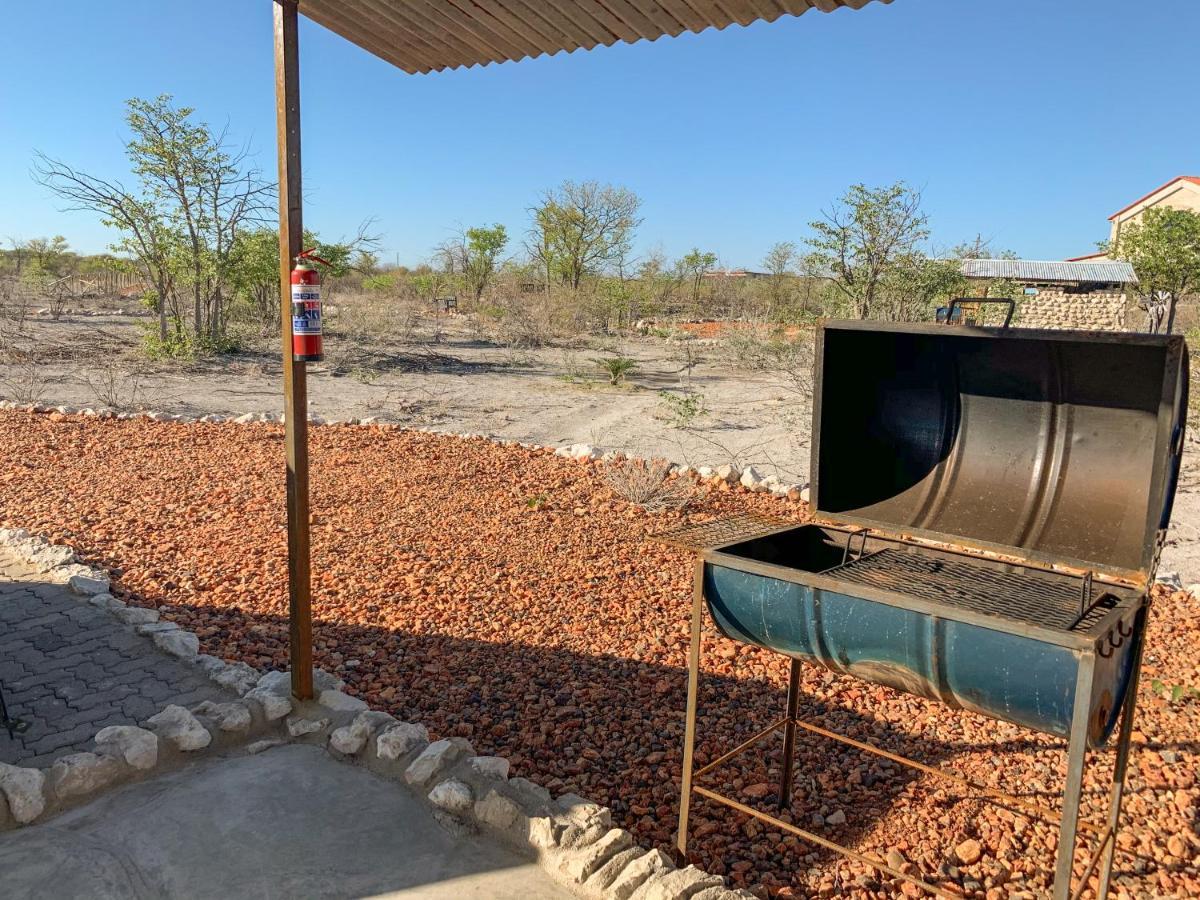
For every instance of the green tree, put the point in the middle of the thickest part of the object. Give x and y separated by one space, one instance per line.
580 229
193 198
693 266
477 254
867 242
1164 248
779 263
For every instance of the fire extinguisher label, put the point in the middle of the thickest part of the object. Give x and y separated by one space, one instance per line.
306 309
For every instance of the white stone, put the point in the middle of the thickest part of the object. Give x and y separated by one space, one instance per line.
837 817
434 759
136 746
452 796
579 865
728 473
298 727
245 419
227 716
350 739
273 705
677 885
607 873
237 676
151 628
1194 590
106 601
806 494
135 615
183 644
25 791
497 811
181 728
260 746
490 766
751 477
581 811
88 585
78 774
634 875
340 702
400 739
705 472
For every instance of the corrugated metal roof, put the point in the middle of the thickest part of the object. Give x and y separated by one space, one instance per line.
431 35
1038 270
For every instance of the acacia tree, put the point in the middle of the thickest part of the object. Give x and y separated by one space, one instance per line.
869 238
193 198
582 228
1164 248
779 262
474 256
692 267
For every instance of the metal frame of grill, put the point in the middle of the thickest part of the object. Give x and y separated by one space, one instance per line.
1092 636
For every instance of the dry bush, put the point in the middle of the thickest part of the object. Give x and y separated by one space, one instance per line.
647 483
116 387
24 381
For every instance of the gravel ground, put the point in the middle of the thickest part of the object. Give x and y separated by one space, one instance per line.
508 596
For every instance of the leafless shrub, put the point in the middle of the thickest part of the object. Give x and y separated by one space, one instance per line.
116 387
24 381
646 483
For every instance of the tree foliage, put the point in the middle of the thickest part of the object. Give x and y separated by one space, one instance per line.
194 196
1164 248
581 229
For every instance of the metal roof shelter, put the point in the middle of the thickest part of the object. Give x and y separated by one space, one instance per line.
1050 271
422 36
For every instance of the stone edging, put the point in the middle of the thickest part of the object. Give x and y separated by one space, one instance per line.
572 838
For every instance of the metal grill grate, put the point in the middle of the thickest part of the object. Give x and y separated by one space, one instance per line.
718 533
1016 594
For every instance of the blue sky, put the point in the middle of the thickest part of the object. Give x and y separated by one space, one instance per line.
1025 120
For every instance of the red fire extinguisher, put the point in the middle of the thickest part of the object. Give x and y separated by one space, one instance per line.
306 309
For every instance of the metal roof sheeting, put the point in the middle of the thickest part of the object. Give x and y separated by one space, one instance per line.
432 35
1037 270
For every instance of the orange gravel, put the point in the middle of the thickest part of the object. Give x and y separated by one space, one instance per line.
508 596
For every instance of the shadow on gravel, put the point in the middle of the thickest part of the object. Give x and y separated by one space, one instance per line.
611 729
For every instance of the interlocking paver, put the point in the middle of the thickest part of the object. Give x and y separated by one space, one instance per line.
70 669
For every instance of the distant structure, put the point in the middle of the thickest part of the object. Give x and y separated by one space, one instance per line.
1182 192
1088 295
736 273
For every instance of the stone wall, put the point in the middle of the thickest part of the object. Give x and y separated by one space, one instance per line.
1088 311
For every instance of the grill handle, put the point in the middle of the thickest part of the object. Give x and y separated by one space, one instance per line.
959 301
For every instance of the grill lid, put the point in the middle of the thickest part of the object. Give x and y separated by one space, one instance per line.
1051 446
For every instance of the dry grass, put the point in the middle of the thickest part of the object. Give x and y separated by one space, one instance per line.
648 484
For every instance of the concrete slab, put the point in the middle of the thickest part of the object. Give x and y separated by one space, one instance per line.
289 822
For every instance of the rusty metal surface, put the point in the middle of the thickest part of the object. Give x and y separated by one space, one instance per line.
1060 447
703 536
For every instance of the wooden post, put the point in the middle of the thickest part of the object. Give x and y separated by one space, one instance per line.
295 388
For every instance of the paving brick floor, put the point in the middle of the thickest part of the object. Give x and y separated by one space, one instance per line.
69 669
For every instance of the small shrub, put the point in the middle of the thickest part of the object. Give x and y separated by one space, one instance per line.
646 484
25 383
616 367
115 387
683 409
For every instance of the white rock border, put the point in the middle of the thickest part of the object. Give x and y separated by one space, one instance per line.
571 838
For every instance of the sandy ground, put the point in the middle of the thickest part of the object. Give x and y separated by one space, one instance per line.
550 395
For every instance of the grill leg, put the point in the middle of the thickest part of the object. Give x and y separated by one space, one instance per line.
789 736
689 731
1072 792
1122 761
